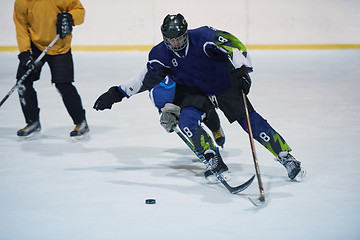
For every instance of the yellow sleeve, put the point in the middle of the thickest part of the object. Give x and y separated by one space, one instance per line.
78 13
21 25
76 9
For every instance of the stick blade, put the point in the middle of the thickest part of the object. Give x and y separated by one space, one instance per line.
258 202
243 186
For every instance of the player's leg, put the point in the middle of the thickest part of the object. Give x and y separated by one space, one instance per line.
212 121
232 104
272 141
28 99
265 134
30 109
62 72
189 123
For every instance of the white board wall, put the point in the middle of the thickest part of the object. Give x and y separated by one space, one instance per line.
137 22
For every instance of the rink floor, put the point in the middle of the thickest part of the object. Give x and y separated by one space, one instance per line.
53 188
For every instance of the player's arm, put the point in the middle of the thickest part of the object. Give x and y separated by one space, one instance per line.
77 11
21 24
226 47
117 93
145 80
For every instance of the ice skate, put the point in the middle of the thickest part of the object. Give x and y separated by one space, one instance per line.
80 131
31 130
215 164
219 137
293 166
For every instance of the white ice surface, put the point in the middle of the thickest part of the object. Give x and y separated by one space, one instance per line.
54 189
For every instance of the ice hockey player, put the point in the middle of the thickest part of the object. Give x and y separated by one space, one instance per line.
37 23
205 63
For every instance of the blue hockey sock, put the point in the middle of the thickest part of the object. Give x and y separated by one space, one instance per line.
189 123
265 134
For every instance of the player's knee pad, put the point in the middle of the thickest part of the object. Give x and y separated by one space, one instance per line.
163 93
265 134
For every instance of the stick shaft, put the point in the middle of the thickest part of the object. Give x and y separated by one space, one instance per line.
29 70
252 145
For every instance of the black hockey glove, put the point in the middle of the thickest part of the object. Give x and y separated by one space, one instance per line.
107 99
241 77
27 62
64 24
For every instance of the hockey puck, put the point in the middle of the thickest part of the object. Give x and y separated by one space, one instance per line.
150 201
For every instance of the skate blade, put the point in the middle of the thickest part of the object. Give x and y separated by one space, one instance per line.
31 136
300 176
212 179
84 137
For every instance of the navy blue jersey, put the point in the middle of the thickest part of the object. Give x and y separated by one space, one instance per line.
204 66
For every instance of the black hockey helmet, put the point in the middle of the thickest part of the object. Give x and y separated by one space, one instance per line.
174 31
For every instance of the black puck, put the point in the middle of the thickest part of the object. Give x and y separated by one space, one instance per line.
150 201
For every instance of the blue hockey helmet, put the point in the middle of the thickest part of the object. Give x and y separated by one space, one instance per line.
174 31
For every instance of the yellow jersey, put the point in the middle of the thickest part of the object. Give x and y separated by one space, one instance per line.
35 21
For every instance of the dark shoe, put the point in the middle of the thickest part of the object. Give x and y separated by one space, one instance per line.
293 166
30 130
215 163
80 130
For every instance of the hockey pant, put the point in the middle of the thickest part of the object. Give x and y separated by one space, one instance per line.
265 134
189 123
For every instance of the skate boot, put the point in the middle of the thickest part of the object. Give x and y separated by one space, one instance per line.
30 130
80 131
219 137
293 166
216 165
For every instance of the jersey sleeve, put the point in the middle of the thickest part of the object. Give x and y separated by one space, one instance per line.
77 11
134 84
226 45
21 24
157 69
145 80
75 8
154 73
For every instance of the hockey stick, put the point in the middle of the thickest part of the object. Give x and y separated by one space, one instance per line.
232 190
29 70
261 199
